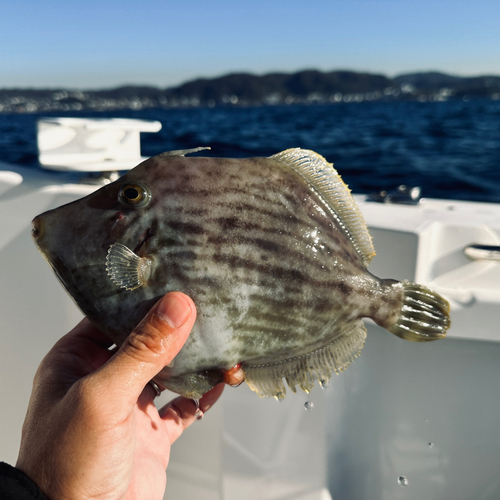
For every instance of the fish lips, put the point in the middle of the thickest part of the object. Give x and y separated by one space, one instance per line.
52 236
77 255
37 228
37 233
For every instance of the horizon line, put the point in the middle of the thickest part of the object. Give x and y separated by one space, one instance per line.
242 72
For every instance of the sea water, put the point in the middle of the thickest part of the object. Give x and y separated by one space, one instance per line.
451 149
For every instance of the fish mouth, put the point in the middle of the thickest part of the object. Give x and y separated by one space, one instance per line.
143 242
37 228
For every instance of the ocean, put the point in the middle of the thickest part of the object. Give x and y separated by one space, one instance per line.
450 149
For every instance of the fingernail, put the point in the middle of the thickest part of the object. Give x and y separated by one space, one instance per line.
175 309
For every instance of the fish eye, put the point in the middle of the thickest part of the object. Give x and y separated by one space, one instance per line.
134 195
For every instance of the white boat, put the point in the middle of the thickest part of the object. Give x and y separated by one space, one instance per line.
406 420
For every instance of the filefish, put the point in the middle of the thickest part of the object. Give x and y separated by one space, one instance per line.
273 251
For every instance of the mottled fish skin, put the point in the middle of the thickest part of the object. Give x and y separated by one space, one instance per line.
272 273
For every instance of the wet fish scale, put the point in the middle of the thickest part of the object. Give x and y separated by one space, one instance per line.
273 252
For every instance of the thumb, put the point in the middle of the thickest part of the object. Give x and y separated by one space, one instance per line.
152 345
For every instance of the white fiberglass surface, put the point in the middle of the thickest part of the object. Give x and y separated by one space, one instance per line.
427 412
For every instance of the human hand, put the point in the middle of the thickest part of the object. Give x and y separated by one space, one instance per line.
92 429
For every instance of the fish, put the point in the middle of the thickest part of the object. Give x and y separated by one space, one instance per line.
273 251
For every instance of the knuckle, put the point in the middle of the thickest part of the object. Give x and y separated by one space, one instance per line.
145 341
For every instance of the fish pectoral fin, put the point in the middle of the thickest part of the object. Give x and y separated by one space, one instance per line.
267 379
125 268
182 152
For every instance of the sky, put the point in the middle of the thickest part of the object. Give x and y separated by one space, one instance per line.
101 44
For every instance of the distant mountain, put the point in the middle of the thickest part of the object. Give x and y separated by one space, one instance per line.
245 89
433 81
279 87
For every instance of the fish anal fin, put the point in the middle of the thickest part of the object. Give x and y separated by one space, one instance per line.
267 379
125 268
329 186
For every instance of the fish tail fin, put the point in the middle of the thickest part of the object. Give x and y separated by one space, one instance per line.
424 315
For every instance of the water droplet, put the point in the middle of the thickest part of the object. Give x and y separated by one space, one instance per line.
431 445
426 419
402 481
308 405
324 384
198 414
279 397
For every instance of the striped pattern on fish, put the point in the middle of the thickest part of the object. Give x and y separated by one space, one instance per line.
273 252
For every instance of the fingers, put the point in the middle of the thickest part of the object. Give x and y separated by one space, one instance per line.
80 352
148 349
84 338
235 376
84 331
180 413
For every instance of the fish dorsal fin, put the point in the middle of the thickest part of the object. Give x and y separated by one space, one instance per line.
327 183
182 152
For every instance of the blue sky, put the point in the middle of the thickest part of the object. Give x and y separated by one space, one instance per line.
100 43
